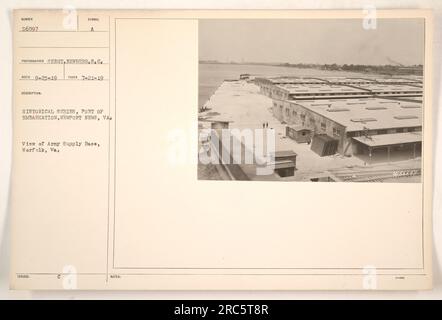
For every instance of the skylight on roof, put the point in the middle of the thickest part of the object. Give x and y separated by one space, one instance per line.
337 109
405 117
363 119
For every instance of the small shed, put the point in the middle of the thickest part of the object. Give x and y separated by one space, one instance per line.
298 133
285 155
285 163
324 145
285 168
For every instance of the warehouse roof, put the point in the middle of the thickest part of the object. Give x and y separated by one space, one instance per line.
390 139
399 80
349 80
342 80
319 88
386 87
371 113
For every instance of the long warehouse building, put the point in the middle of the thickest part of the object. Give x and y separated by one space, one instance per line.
357 118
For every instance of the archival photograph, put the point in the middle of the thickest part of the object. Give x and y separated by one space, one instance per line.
313 100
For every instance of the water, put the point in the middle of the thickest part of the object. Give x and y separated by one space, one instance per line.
212 75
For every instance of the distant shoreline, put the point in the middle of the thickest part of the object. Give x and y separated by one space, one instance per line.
391 70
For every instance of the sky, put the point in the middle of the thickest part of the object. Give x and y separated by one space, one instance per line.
312 41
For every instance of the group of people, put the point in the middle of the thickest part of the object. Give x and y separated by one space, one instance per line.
265 125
